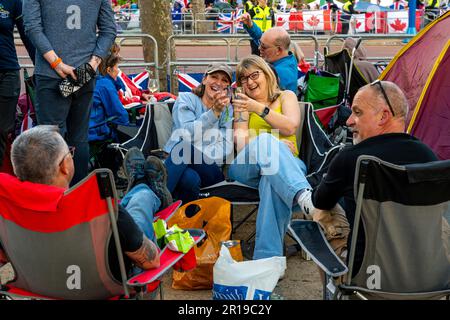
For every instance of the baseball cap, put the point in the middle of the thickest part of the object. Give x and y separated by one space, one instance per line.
218 66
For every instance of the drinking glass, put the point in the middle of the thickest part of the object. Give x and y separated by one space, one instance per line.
152 85
236 97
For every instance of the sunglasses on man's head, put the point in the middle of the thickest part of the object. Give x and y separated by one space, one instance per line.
378 82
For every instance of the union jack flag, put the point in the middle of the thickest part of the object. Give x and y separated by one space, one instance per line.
187 82
229 23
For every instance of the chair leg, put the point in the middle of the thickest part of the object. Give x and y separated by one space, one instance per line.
244 219
233 229
325 290
161 293
251 236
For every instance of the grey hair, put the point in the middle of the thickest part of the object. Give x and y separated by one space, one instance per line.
395 95
397 98
35 154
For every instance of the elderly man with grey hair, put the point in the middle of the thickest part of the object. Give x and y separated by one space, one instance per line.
40 156
274 47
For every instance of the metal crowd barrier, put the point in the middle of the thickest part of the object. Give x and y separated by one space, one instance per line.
184 23
229 40
137 62
171 65
365 37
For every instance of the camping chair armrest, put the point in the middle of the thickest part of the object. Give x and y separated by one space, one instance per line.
133 106
168 258
168 212
310 237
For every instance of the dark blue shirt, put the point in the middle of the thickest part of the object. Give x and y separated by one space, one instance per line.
10 15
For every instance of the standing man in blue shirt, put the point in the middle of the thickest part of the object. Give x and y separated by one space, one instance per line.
10 16
68 35
274 47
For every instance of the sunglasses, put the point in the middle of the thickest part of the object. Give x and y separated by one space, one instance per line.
253 76
71 152
384 94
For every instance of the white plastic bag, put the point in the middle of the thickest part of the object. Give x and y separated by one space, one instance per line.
247 280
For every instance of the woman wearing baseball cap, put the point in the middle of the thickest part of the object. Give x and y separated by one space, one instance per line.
202 135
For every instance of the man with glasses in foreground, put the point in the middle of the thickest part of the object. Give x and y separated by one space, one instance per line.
274 47
378 122
43 162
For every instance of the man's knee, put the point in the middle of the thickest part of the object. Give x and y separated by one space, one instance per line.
145 196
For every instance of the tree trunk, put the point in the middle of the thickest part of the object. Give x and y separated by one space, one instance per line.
299 3
156 20
198 9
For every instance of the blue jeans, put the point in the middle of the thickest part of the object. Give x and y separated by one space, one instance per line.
187 177
70 114
142 203
268 164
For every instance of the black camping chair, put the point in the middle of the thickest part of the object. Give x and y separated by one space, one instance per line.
316 150
342 62
403 210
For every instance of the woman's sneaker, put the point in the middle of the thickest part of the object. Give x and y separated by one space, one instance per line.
156 173
133 166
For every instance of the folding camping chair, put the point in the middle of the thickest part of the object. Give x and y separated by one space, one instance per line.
332 91
153 132
342 63
315 149
325 90
59 249
402 209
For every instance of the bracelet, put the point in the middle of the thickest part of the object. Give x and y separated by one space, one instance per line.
55 63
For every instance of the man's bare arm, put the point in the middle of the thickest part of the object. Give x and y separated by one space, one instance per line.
147 256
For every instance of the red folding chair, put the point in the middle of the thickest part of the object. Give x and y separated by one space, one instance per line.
57 241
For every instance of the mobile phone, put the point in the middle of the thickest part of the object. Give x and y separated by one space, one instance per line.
236 91
230 92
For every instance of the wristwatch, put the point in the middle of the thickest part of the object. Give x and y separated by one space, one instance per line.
265 112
